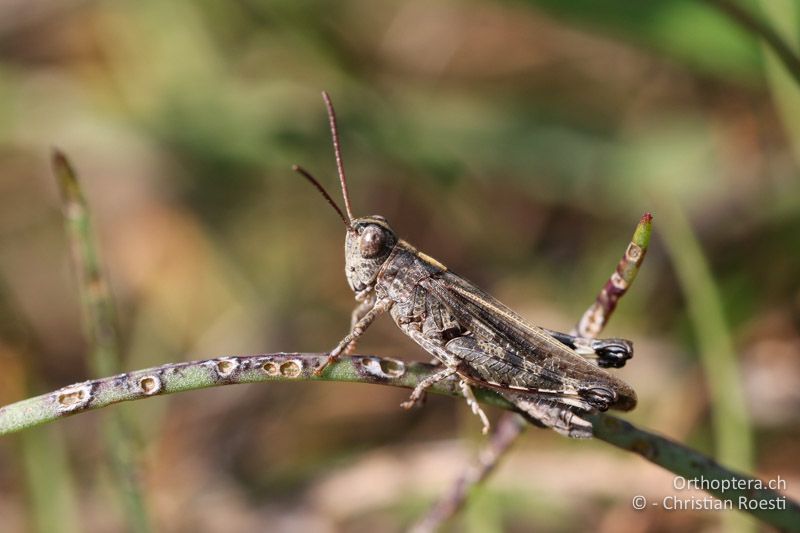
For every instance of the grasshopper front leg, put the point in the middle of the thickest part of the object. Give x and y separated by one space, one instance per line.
380 307
367 302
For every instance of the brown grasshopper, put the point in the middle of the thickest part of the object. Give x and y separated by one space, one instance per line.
553 378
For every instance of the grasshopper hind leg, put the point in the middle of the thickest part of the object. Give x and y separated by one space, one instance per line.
601 398
549 412
612 353
605 353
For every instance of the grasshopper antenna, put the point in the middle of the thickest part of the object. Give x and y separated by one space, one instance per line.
338 151
307 175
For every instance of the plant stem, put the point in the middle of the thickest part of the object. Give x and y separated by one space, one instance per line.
194 375
100 325
746 491
178 377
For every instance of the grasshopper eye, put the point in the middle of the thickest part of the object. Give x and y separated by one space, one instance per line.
371 242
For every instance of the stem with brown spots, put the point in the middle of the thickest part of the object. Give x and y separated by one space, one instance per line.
178 377
594 319
745 492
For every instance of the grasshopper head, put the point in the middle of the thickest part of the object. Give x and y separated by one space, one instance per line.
369 240
367 246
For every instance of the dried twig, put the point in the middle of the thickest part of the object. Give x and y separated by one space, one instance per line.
507 430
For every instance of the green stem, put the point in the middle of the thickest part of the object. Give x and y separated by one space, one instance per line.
171 378
746 494
194 375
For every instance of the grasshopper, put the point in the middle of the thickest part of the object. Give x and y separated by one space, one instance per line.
554 379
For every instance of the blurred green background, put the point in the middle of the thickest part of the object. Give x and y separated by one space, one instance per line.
517 142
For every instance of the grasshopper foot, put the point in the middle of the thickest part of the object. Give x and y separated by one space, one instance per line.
417 397
331 358
414 401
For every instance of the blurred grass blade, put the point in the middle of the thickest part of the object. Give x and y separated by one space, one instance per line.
785 88
51 496
777 44
99 323
98 308
730 421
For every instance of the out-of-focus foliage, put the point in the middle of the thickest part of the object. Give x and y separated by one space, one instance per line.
517 142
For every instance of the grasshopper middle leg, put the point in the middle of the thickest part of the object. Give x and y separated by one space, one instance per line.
419 391
419 394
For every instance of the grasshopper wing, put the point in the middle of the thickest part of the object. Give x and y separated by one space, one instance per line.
502 350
